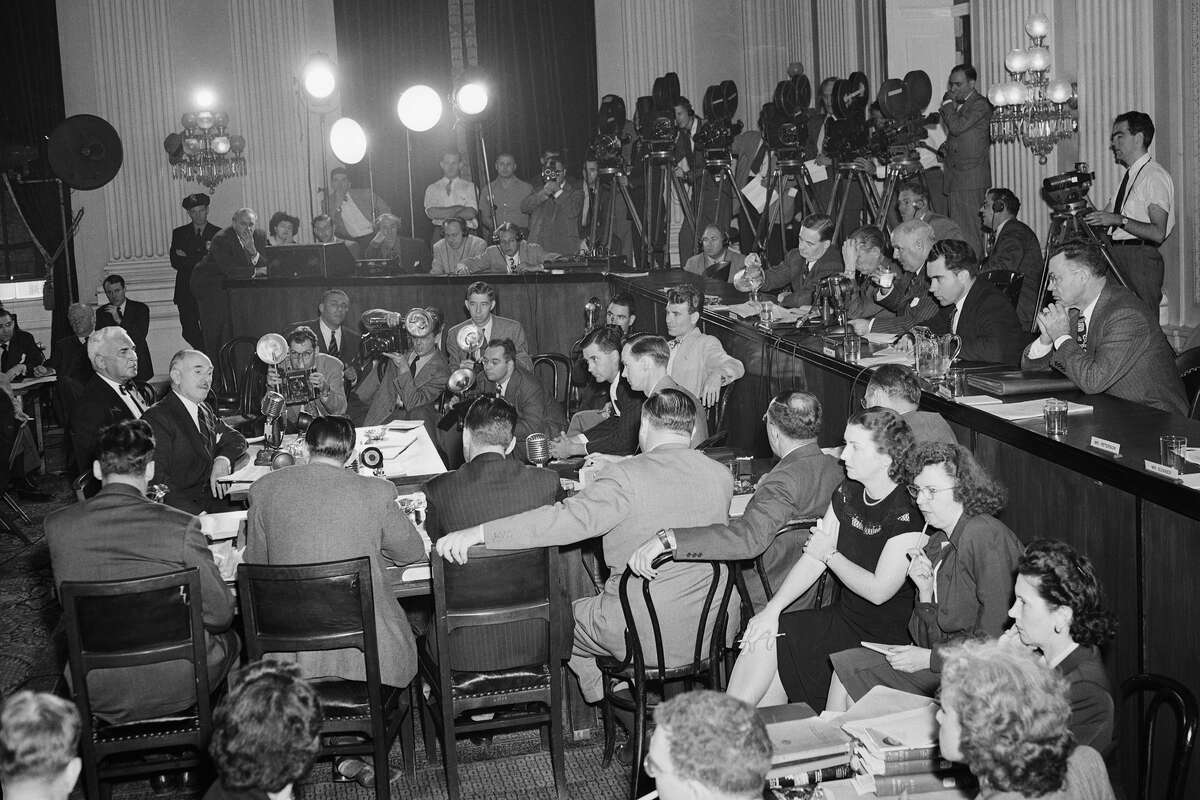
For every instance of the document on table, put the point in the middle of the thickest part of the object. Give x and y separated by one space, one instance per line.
1029 409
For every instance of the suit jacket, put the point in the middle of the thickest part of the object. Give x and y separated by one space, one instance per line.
99 406
487 487
1127 355
1017 249
187 248
310 513
800 486
530 257
117 535
554 221
618 434
988 326
367 203
22 349
1090 696
701 431
412 255
909 301
944 227
968 138
524 391
793 272
416 393
502 328
136 322
348 339
695 357
226 258
698 264
446 262
183 455
672 486
69 360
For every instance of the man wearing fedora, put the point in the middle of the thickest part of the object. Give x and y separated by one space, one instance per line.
189 244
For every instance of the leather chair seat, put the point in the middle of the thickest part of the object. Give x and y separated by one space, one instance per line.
340 699
500 682
182 722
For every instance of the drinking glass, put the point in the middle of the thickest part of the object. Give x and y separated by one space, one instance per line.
1055 413
1171 450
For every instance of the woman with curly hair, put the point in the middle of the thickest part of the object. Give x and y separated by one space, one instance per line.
963 577
863 540
266 733
283 228
1059 612
1005 716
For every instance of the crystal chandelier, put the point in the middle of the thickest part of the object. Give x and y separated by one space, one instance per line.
205 152
1030 107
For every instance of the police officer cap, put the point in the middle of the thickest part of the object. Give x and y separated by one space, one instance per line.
197 199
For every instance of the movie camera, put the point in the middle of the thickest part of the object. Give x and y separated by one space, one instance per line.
847 135
783 121
1069 191
902 103
716 136
607 145
654 116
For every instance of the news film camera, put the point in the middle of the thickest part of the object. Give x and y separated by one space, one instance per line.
847 135
654 118
716 136
783 121
381 333
607 146
902 103
1068 192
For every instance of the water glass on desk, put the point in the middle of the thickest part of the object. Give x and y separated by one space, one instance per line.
956 382
1171 450
1055 414
852 348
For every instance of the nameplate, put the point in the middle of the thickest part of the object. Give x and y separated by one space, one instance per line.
1162 469
829 351
1109 447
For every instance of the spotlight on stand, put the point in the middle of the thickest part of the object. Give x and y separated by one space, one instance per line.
348 141
318 76
471 98
419 108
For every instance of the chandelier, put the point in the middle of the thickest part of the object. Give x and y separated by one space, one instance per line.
204 151
1030 107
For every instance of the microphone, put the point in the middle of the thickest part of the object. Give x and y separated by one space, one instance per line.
537 449
271 408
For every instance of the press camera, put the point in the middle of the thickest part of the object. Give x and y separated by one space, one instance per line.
783 121
607 146
716 135
382 332
1069 191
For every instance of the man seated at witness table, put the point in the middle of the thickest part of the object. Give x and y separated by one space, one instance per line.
507 191
510 254
714 251
193 446
668 485
555 210
620 312
614 428
323 233
119 535
1016 249
352 210
411 255
697 362
644 359
326 391
480 302
110 395
412 381
1101 336
866 255
972 308
294 511
334 336
913 202
455 247
896 387
503 377
907 295
131 315
39 740
803 268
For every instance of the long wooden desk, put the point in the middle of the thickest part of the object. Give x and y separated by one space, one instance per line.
1141 530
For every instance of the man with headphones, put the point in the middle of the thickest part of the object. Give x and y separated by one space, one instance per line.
714 251
1016 248
512 254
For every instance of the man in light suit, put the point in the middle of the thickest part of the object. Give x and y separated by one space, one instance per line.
328 390
480 302
193 447
412 381
511 254
972 308
189 244
697 360
1102 336
131 315
799 487
110 395
668 485
503 378
803 268
714 250
967 118
234 253
644 359
1016 249
120 535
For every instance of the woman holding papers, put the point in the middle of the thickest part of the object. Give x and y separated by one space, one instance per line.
963 577
863 539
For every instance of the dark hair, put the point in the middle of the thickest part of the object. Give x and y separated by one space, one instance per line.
459 221
797 415
891 436
967 70
507 227
330 437
114 278
978 492
917 188
686 293
871 236
320 218
507 345
1138 122
491 420
896 380
685 104
607 337
1082 253
302 333
644 345
670 410
39 734
283 216
451 152
125 448
481 287
959 256
266 730
821 223
1064 577
716 740
1005 197
622 299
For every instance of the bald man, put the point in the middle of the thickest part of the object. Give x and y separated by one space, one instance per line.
235 253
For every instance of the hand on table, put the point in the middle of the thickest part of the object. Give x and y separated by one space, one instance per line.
220 469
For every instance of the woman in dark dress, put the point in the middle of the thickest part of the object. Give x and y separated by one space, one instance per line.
863 540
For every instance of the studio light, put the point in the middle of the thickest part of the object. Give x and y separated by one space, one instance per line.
419 108
204 98
471 98
319 79
348 141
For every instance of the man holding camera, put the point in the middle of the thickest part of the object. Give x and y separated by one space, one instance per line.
413 379
555 210
310 381
967 118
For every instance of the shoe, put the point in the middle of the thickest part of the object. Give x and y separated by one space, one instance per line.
625 753
356 770
164 784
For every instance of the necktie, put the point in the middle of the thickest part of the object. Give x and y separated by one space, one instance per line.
512 263
129 389
1121 193
204 418
412 366
4 354
333 345
1078 327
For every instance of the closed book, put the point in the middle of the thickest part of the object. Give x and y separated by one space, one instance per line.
1021 382
900 736
810 777
896 785
808 765
796 740
879 766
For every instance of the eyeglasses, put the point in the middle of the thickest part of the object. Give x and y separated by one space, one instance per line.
929 491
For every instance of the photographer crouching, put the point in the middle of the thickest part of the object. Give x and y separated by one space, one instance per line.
310 382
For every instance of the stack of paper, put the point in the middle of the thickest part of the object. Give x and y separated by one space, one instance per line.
1029 409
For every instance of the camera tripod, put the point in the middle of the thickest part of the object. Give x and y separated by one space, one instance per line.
785 169
718 176
848 175
900 170
610 180
1067 223
661 163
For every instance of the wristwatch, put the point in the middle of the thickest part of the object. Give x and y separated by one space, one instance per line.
667 540
832 553
1124 222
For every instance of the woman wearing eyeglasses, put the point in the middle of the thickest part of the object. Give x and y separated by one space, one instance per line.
963 577
863 540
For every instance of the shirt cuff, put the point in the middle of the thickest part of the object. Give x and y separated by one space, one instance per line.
1060 340
255 259
1039 349
223 458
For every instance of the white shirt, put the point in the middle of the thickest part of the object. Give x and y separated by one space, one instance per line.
1148 183
127 399
1040 348
193 410
326 332
460 192
958 306
353 219
502 385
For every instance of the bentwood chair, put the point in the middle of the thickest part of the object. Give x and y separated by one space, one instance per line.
560 380
232 360
330 606
126 624
1155 694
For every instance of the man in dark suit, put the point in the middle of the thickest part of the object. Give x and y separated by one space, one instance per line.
69 358
967 118
131 315
972 308
189 244
799 487
908 296
803 268
20 356
1016 249
411 383
503 378
334 336
234 253
193 447
480 302
1102 336
555 211
120 535
613 429
110 395
913 202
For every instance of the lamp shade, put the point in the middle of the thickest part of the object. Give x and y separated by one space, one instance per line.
319 80
419 108
348 141
1037 25
1059 91
1016 61
995 94
1039 59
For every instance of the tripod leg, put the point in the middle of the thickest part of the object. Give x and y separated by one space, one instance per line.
594 213
1106 253
833 194
872 199
842 194
1052 239
758 245
885 202
632 208
806 190
763 229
